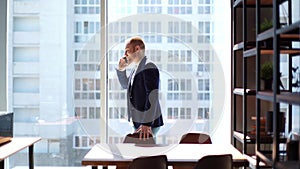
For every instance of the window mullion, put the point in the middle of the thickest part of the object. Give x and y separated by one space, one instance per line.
103 74
3 16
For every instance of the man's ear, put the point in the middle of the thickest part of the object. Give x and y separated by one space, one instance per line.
137 47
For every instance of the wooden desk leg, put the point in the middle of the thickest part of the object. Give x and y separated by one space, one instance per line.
2 164
94 167
30 154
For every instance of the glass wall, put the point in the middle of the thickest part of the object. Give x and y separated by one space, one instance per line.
62 82
180 39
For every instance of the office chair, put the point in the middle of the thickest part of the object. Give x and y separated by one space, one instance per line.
195 138
149 162
134 138
215 162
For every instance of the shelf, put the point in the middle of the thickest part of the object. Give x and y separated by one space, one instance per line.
265 35
241 45
264 158
265 95
240 137
250 52
253 51
290 37
252 162
263 3
237 3
290 29
242 92
284 96
267 3
288 97
288 33
238 46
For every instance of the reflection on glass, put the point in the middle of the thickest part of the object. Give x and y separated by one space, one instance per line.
55 65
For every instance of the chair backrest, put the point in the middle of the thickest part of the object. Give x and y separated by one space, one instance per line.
6 125
134 138
195 138
215 162
149 162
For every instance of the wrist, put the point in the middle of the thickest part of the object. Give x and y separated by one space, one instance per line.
121 69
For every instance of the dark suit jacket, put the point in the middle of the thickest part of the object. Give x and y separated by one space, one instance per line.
142 96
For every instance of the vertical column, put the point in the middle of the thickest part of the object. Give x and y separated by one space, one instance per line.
276 106
3 27
258 102
103 74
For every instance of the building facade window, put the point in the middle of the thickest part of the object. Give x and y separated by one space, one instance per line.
115 90
117 113
205 6
179 113
179 61
180 7
203 113
87 112
154 55
205 30
87 89
204 89
180 89
85 141
84 30
180 32
119 31
149 6
87 7
115 139
205 56
152 28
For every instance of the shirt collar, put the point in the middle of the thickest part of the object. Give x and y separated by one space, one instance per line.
138 63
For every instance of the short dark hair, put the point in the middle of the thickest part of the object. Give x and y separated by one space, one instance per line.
137 41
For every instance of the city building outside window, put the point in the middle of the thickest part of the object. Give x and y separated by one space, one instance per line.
56 71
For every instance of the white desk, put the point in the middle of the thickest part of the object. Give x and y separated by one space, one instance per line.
17 144
177 154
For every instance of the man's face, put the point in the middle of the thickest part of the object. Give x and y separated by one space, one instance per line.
130 53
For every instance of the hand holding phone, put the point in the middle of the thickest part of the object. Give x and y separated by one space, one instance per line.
123 63
125 58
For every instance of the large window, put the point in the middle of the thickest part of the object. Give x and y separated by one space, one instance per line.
185 51
62 83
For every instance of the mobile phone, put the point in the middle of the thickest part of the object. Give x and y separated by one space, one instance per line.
125 58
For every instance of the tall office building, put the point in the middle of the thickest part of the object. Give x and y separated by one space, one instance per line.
56 81
40 77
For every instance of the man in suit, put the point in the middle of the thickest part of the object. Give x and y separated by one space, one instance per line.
142 88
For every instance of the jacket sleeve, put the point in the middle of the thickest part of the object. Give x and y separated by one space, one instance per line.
123 79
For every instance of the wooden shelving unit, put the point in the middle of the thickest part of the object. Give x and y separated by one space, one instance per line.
244 83
251 51
282 39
